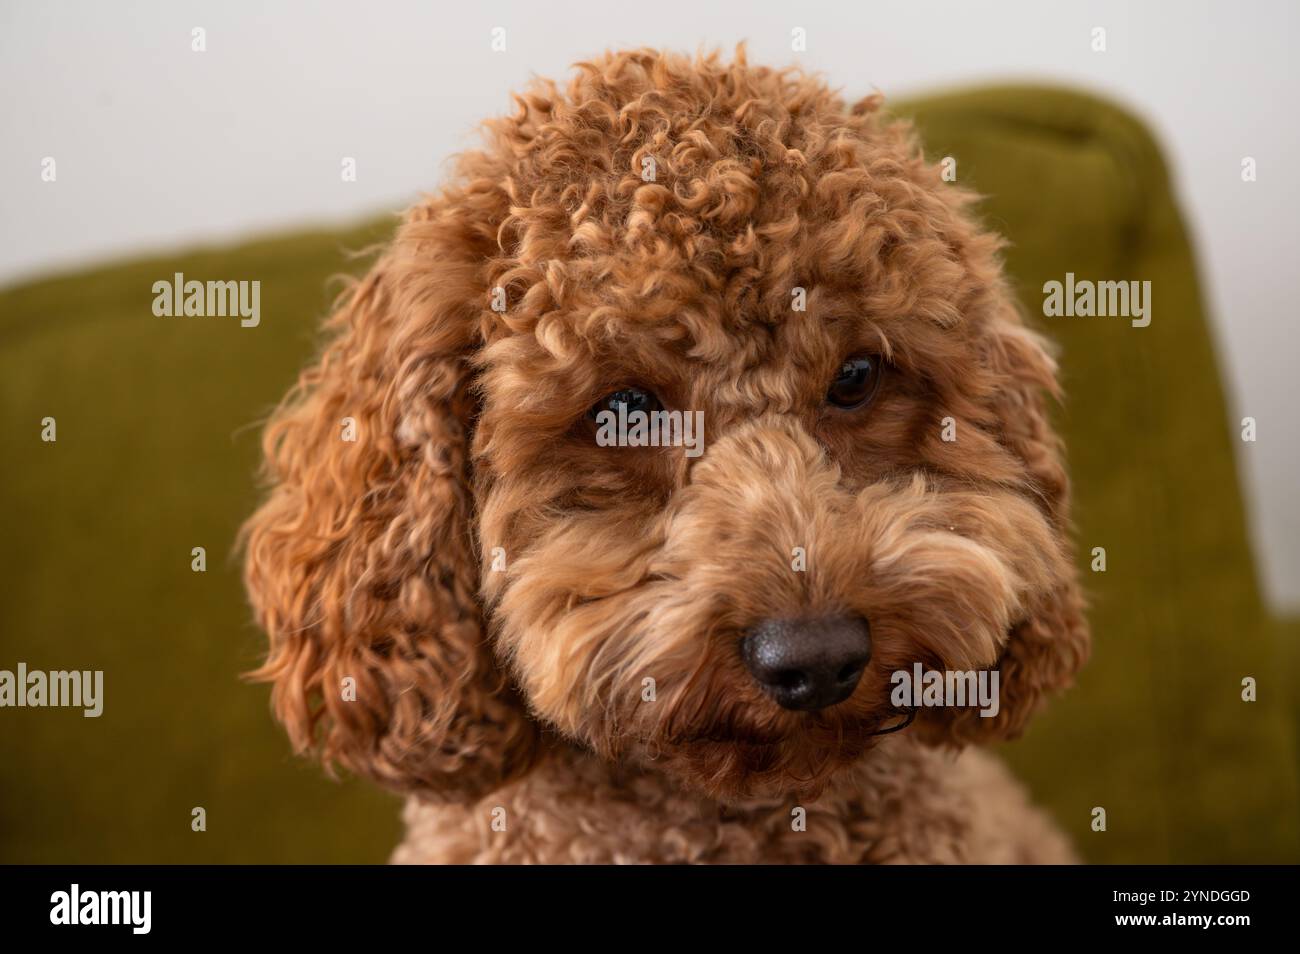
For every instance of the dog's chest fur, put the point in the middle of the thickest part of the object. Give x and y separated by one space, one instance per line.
907 804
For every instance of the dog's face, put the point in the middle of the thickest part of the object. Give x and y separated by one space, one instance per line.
875 485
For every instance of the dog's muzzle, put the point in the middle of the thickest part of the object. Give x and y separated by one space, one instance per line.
808 664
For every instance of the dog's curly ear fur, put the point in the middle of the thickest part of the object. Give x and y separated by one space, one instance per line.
362 564
1051 642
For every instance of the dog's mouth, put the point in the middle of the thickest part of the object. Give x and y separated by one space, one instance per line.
821 727
729 764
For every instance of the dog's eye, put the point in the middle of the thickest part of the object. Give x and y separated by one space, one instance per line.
855 383
633 399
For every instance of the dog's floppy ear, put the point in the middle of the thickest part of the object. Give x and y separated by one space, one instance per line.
1050 643
362 565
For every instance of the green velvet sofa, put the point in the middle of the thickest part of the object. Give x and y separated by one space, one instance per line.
157 427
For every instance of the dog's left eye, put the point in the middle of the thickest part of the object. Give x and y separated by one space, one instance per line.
634 399
855 383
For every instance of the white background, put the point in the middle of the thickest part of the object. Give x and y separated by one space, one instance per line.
135 119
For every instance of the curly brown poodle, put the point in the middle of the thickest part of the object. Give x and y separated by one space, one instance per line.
564 650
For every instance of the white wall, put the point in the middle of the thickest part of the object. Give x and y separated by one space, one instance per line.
156 145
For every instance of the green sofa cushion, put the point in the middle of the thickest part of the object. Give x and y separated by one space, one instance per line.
157 447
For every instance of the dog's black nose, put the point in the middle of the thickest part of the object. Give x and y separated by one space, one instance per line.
808 664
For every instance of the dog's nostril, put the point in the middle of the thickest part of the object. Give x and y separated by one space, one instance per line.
808 664
790 679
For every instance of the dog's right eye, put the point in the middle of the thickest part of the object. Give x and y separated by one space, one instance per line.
633 399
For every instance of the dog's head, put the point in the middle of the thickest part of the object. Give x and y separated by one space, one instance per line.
452 564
